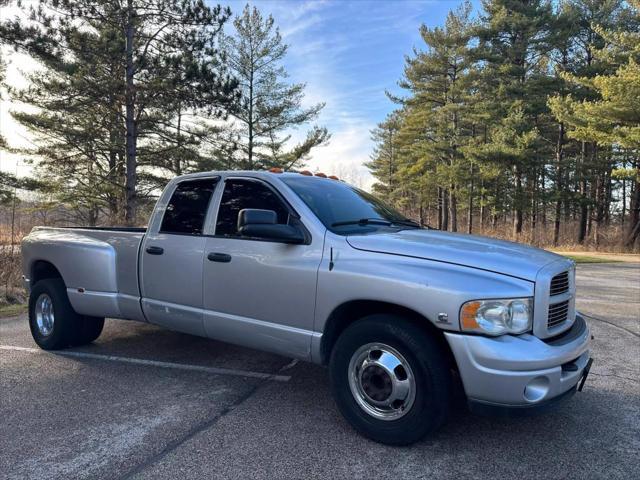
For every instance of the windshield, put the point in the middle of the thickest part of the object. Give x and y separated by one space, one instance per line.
345 209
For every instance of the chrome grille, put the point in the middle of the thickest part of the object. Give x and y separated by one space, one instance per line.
554 312
558 313
559 284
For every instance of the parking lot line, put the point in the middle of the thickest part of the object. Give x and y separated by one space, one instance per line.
153 363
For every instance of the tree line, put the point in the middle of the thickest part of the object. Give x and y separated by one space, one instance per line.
523 120
129 93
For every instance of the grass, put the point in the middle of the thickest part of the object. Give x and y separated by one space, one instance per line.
591 259
12 310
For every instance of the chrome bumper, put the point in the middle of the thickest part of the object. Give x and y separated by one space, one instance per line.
520 370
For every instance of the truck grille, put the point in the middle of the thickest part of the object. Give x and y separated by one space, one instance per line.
554 296
559 284
558 313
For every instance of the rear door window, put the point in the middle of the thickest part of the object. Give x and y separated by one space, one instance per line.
187 209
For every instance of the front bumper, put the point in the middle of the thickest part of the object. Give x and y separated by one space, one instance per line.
520 371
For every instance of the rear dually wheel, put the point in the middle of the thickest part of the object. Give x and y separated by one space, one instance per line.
53 322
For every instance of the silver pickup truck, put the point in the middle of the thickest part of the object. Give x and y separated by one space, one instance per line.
315 269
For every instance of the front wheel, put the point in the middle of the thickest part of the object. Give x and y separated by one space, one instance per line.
390 379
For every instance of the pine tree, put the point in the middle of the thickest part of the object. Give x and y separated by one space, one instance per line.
514 38
119 78
591 170
436 126
612 119
3 72
517 150
269 105
9 183
385 156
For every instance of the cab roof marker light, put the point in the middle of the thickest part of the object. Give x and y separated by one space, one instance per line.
321 175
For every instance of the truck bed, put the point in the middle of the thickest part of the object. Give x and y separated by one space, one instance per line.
99 266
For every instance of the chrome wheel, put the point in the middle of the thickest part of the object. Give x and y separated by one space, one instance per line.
381 381
44 314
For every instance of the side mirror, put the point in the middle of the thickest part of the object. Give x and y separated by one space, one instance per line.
258 223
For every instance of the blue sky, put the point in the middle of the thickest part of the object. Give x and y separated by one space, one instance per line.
349 53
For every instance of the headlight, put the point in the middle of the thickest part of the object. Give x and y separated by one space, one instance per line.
497 317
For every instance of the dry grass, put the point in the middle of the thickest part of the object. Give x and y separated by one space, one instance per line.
610 240
5 235
611 237
590 259
600 257
13 310
11 290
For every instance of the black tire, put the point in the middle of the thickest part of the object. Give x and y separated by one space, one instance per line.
89 329
66 320
426 360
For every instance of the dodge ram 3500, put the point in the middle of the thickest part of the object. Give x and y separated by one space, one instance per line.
315 269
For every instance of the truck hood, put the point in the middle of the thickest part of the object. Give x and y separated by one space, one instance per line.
474 251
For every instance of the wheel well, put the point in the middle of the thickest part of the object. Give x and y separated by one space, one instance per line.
349 312
42 269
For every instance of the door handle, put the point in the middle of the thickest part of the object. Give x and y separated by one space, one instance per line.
219 257
155 250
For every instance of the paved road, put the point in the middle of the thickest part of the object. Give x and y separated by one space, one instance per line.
611 292
81 417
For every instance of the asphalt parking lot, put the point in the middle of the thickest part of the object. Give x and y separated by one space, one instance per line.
150 403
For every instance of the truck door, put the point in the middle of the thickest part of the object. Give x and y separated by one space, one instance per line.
259 293
171 259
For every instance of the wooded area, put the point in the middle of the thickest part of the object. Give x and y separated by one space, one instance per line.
131 93
522 123
519 120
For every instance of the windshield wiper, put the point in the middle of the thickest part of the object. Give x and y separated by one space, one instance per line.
363 221
407 223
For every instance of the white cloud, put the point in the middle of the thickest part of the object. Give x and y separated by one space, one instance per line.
345 155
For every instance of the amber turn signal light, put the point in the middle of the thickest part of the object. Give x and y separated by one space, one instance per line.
468 315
